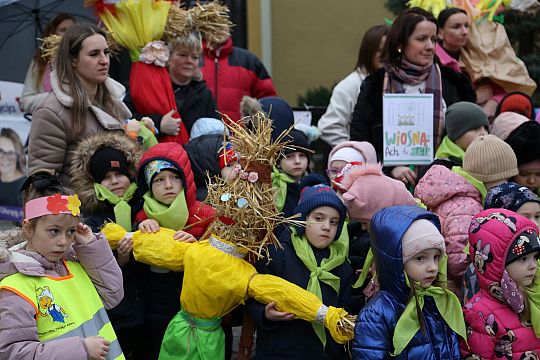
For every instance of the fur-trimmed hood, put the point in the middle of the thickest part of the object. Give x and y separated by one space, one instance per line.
82 181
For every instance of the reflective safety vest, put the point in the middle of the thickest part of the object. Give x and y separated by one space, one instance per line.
65 306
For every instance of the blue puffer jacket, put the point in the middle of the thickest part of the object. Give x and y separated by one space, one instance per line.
376 322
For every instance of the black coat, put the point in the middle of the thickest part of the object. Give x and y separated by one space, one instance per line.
296 339
367 124
203 152
194 101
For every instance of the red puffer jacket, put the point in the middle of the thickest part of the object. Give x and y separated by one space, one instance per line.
231 73
198 212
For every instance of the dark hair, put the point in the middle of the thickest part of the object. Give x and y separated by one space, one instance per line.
447 13
40 184
50 28
16 140
369 47
401 30
68 50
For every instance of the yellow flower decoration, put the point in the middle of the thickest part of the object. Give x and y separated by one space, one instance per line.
73 205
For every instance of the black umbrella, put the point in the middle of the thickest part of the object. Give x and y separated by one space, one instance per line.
22 23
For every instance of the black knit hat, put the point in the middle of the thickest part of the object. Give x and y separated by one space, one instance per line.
108 159
525 141
317 196
297 141
464 116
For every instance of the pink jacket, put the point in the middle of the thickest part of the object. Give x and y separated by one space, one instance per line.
18 333
455 201
494 329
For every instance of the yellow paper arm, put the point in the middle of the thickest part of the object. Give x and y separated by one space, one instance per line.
305 305
157 249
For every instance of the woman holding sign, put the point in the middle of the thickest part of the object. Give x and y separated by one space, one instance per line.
409 69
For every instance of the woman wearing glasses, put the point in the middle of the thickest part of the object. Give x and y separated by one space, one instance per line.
12 167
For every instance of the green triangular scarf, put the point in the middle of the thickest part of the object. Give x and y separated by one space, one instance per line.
533 299
172 216
122 210
280 181
447 303
338 255
471 180
448 149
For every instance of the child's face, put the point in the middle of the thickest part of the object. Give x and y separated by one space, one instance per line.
116 182
51 235
335 167
230 172
424 267
530 210
466 139
294 164
529 178
523 270
321 228
166 186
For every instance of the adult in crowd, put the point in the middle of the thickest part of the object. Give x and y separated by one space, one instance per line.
86 101
12 168
231 73
453 35
193 98
37 83
336 121
409 68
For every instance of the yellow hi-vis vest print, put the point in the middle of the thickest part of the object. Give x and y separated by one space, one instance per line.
65 306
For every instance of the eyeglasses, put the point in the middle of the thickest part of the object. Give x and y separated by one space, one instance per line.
10 155
332 172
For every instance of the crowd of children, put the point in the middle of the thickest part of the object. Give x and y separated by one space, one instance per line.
440 262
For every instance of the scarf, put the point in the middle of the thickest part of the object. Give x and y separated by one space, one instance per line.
411 74
173 216
122 209
338 255
280 181
471 180
449 150
533 300
447 304
365 269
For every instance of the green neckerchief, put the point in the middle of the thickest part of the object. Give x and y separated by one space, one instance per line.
447 303
338 255
122 210
471 180
365 269
533 299
172 216
280 181
448 149
148 137
369 258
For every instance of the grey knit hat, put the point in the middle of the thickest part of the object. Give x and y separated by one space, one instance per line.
489 158
464 116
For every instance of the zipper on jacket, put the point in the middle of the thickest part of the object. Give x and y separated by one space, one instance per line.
216 69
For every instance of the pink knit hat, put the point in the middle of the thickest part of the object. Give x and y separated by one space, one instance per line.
367 190
505 123
421 235
364 148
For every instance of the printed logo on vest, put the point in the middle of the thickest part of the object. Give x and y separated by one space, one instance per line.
47 307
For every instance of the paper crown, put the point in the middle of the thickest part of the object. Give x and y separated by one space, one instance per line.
52 205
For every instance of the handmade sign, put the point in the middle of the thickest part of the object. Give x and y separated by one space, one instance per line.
407 129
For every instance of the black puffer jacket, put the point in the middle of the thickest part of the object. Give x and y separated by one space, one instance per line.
203 152
194 101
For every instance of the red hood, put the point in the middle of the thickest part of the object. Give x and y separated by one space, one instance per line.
171 152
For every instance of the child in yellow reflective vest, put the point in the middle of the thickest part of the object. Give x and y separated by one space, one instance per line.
56 280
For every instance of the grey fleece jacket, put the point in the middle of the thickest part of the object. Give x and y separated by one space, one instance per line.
18 331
